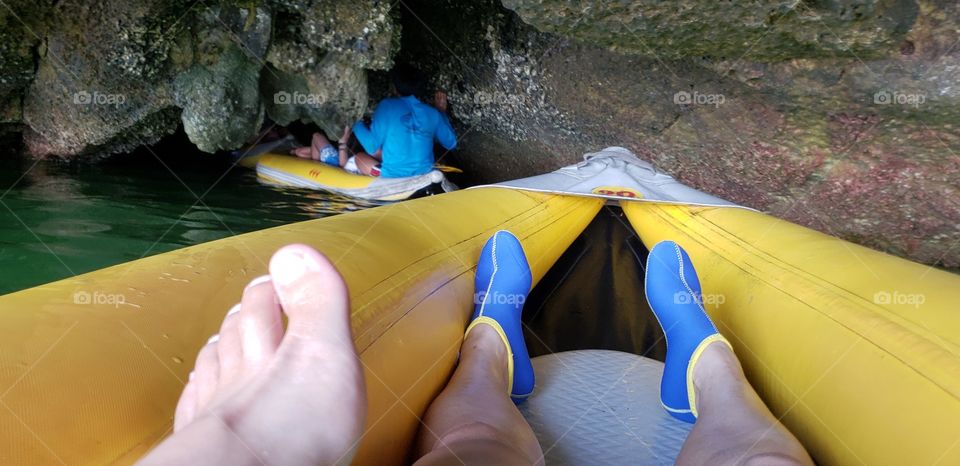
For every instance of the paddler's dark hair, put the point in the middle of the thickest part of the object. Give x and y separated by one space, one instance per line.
408 80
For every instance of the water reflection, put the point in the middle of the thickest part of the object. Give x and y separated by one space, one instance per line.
60 220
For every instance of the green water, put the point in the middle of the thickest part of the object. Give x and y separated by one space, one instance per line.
59 220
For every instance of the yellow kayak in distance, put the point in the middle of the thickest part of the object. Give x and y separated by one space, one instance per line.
857 351
287 170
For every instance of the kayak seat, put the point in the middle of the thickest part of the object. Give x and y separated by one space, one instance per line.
601 407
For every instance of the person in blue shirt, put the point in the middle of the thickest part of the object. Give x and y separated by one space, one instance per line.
403 129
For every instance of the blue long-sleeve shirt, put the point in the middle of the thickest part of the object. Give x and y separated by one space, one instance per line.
405 129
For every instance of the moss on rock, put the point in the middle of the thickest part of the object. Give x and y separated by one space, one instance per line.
331 95
767 30
221 104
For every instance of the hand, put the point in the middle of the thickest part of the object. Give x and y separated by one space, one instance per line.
347 131
440 101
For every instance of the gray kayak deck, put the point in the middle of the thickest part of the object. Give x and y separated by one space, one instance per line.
598 407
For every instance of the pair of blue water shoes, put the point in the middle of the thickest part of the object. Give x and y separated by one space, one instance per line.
673 291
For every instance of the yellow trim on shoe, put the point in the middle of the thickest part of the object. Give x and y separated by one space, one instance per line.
503 336
691 391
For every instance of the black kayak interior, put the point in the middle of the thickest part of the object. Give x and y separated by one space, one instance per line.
593 297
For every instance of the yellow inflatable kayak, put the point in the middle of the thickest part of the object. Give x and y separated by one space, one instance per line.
286 170
857 351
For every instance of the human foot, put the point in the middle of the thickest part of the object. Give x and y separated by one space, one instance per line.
259 394
502 282
674 294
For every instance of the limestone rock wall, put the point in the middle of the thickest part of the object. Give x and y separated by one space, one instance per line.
841 116
837 114
92 78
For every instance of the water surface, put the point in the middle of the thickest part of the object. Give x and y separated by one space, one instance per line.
58 220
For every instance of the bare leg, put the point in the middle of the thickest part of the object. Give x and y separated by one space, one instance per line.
473 421
257 391
366 162
317 142
302 152
734 426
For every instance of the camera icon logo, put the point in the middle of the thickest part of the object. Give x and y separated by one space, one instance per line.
882 297
681 297
882 97
82 297
82 98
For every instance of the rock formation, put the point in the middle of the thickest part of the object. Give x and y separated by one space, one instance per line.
837 114
841 116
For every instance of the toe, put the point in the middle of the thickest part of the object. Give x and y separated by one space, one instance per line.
206 375
318 336
312 294
229 351
186 407
313 366
260 324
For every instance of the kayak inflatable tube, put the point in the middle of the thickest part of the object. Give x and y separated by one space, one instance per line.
93 366
857 351
285 170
